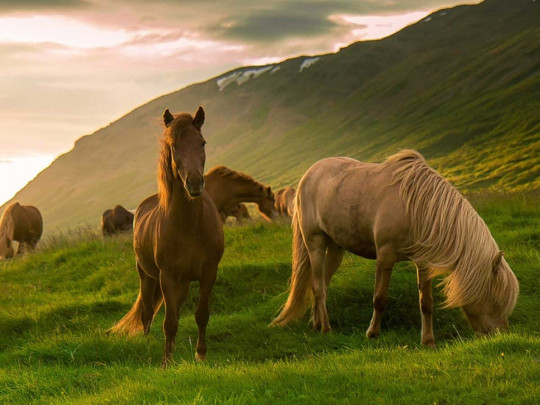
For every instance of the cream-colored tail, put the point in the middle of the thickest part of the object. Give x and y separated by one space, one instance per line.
131 323
300 293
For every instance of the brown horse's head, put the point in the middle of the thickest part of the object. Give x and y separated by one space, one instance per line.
6 247
491 314
184 154
267 204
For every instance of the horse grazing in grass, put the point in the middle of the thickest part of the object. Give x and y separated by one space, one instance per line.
21 223
178 236
116 220
228 187
285 201
239 211
399 210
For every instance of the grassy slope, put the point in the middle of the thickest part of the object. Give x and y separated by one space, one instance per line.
462 88
56 305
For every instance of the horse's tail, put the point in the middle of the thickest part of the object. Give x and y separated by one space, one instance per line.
300 294
131 323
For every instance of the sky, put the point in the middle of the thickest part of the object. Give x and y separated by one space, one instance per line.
70 67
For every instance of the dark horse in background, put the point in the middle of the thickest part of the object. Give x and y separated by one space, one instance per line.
21 223
178 236
239 211
116 220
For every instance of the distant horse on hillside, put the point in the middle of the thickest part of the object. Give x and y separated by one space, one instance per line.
116 220
228 188
285 201
178 236
399 210
239 211
21 223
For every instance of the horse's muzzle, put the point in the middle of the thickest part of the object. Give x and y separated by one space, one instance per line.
195 186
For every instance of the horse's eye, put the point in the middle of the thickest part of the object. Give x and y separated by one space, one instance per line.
203 144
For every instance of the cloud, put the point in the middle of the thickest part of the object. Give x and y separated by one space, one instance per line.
274 25
71 66
39 5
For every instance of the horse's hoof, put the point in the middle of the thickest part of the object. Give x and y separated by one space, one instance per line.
430 344
200 357
372 334
326 329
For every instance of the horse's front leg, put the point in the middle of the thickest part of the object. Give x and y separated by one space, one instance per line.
385 263
21 249
202 314
426 305
174 293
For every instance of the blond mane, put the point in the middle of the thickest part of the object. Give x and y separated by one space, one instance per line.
6 221
450 237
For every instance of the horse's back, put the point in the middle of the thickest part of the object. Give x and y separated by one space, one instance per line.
357 204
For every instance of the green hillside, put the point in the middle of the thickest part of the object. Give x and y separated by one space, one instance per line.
57 303
462 86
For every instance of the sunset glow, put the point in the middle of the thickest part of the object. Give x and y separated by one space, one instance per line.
69 68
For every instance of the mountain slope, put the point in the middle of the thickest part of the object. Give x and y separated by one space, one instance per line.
461 86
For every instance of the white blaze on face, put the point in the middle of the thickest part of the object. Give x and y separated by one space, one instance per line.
16 172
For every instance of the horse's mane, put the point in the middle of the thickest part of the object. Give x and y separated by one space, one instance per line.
6 221
165 174
224 171
450 237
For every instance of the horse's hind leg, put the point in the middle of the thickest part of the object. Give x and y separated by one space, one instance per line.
316 245
201 317
334 257
151 298
174 294
385 264
426 306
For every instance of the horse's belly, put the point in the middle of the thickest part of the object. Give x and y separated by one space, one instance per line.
357 239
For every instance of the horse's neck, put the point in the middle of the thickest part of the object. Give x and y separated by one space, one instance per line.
244 191
182 211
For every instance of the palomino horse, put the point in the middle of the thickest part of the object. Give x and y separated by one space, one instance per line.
399 210
285 201
239 211
116 220
228 188
178 236
21 223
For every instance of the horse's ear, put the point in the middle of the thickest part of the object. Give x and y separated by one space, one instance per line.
497 260
198 121
167 117
269 191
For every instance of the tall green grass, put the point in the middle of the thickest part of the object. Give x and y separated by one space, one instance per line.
56 304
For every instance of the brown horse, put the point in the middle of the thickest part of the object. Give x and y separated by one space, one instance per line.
116 220
399 210
178 236
228 188
239 211
285 201
21 223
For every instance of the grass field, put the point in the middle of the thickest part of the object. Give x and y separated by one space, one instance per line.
56 304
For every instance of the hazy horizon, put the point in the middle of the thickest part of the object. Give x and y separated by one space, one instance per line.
61 56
